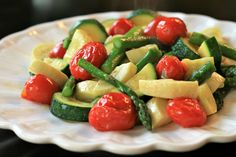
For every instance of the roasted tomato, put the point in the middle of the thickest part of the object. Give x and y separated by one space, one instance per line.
40 88
94 52
186 112
170 67
114 111
121 26
169 29
58 51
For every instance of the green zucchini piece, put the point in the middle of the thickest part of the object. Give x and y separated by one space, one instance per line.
183 49
69 86
108 23
135 55
69 108
152 56
202 73
198 38
58 64
140 106
210 48
219 99
66 42
91 26
79 39
141 17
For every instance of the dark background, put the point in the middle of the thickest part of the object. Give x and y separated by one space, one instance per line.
16 15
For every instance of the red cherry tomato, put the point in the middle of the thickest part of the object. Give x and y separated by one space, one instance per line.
58 51
186 112
121 26
40 88
169 29
150 30
170 67
114 111
94 52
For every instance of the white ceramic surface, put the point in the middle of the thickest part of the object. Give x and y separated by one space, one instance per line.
34 123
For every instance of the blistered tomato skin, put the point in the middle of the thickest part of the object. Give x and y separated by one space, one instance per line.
94 52
114 111
169 29
170 67
58 51
121 26
150 30
186 112
40 88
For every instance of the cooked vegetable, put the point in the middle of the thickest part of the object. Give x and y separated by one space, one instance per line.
92 27
108 23
59 64
206 99
215 81
58 51
69 108
113 111
202 73
210 48
39 88
157 110
186 112
69 86
169 29
170 67
147 73
141 17
230 82
150 29
229 71
168 88
182 49
80 37
193 65
137 54
41 51
120 26
94 52
197 39
140 106
39 67
152 56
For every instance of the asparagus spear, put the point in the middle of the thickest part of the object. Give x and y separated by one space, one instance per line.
140 106
69 87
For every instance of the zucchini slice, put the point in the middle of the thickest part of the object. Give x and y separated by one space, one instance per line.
157 110
215 81
69 108
141 17
183 49
41 51
210 48
148 72
80 38
108 23
206 99
39 67
202 73
59 64
92 27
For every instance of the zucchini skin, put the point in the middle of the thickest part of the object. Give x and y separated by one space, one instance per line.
180 50
68 112
229 71
203 73
230 82
197 39
219 96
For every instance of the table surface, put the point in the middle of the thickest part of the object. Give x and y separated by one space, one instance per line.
31 12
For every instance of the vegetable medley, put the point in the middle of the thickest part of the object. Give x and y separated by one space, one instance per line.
141 69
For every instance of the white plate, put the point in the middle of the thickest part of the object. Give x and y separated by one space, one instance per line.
34 123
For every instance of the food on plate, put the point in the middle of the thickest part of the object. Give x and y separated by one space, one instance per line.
144 68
